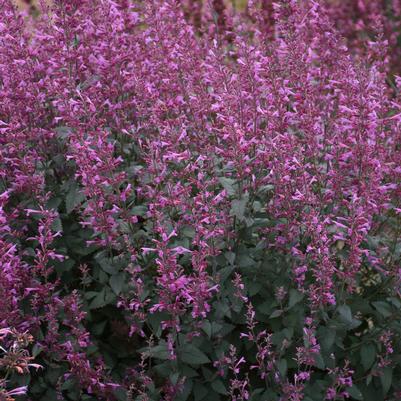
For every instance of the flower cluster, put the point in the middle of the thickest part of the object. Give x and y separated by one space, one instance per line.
205 197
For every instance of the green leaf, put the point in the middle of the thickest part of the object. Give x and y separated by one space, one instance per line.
53 203
346 318
186 392
36 350
386 379
238 207
188 232
230 256
228 185
90 294
64 266
276 313
99 300
245 261
222 309
219 387
326 337
319 361
383 308
254 287
188 371
74 198
117 282
396 302
216 328
163 369
174 377
295 297
63 132
207 328
354 392
105 263
57 225
224 273
139 210
200 391
98 328
282 367
368 355
69 384
159 351
120 393
345 314
154 320
188 353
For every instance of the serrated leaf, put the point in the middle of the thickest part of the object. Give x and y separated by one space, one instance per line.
282 367
386 379
224 273
120 393
276 313
295 297
383 308
74 198
68 385
245 261
90 294
200 391
36 350
216 327
207 328
63 132
186 392
319 361
219 387
117 282
53 203
188 371
368 355
345 314
354 392
190 354
139 210
159 351
326 337
396 302
222 308
254 288
228 185
230 256
99 300
57 225
98 328
174 377
154 319
105 263
238 207
266 307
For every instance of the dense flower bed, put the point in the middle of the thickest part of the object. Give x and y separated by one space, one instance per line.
200 203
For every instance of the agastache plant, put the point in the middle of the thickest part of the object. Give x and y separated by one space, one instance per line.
200 201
